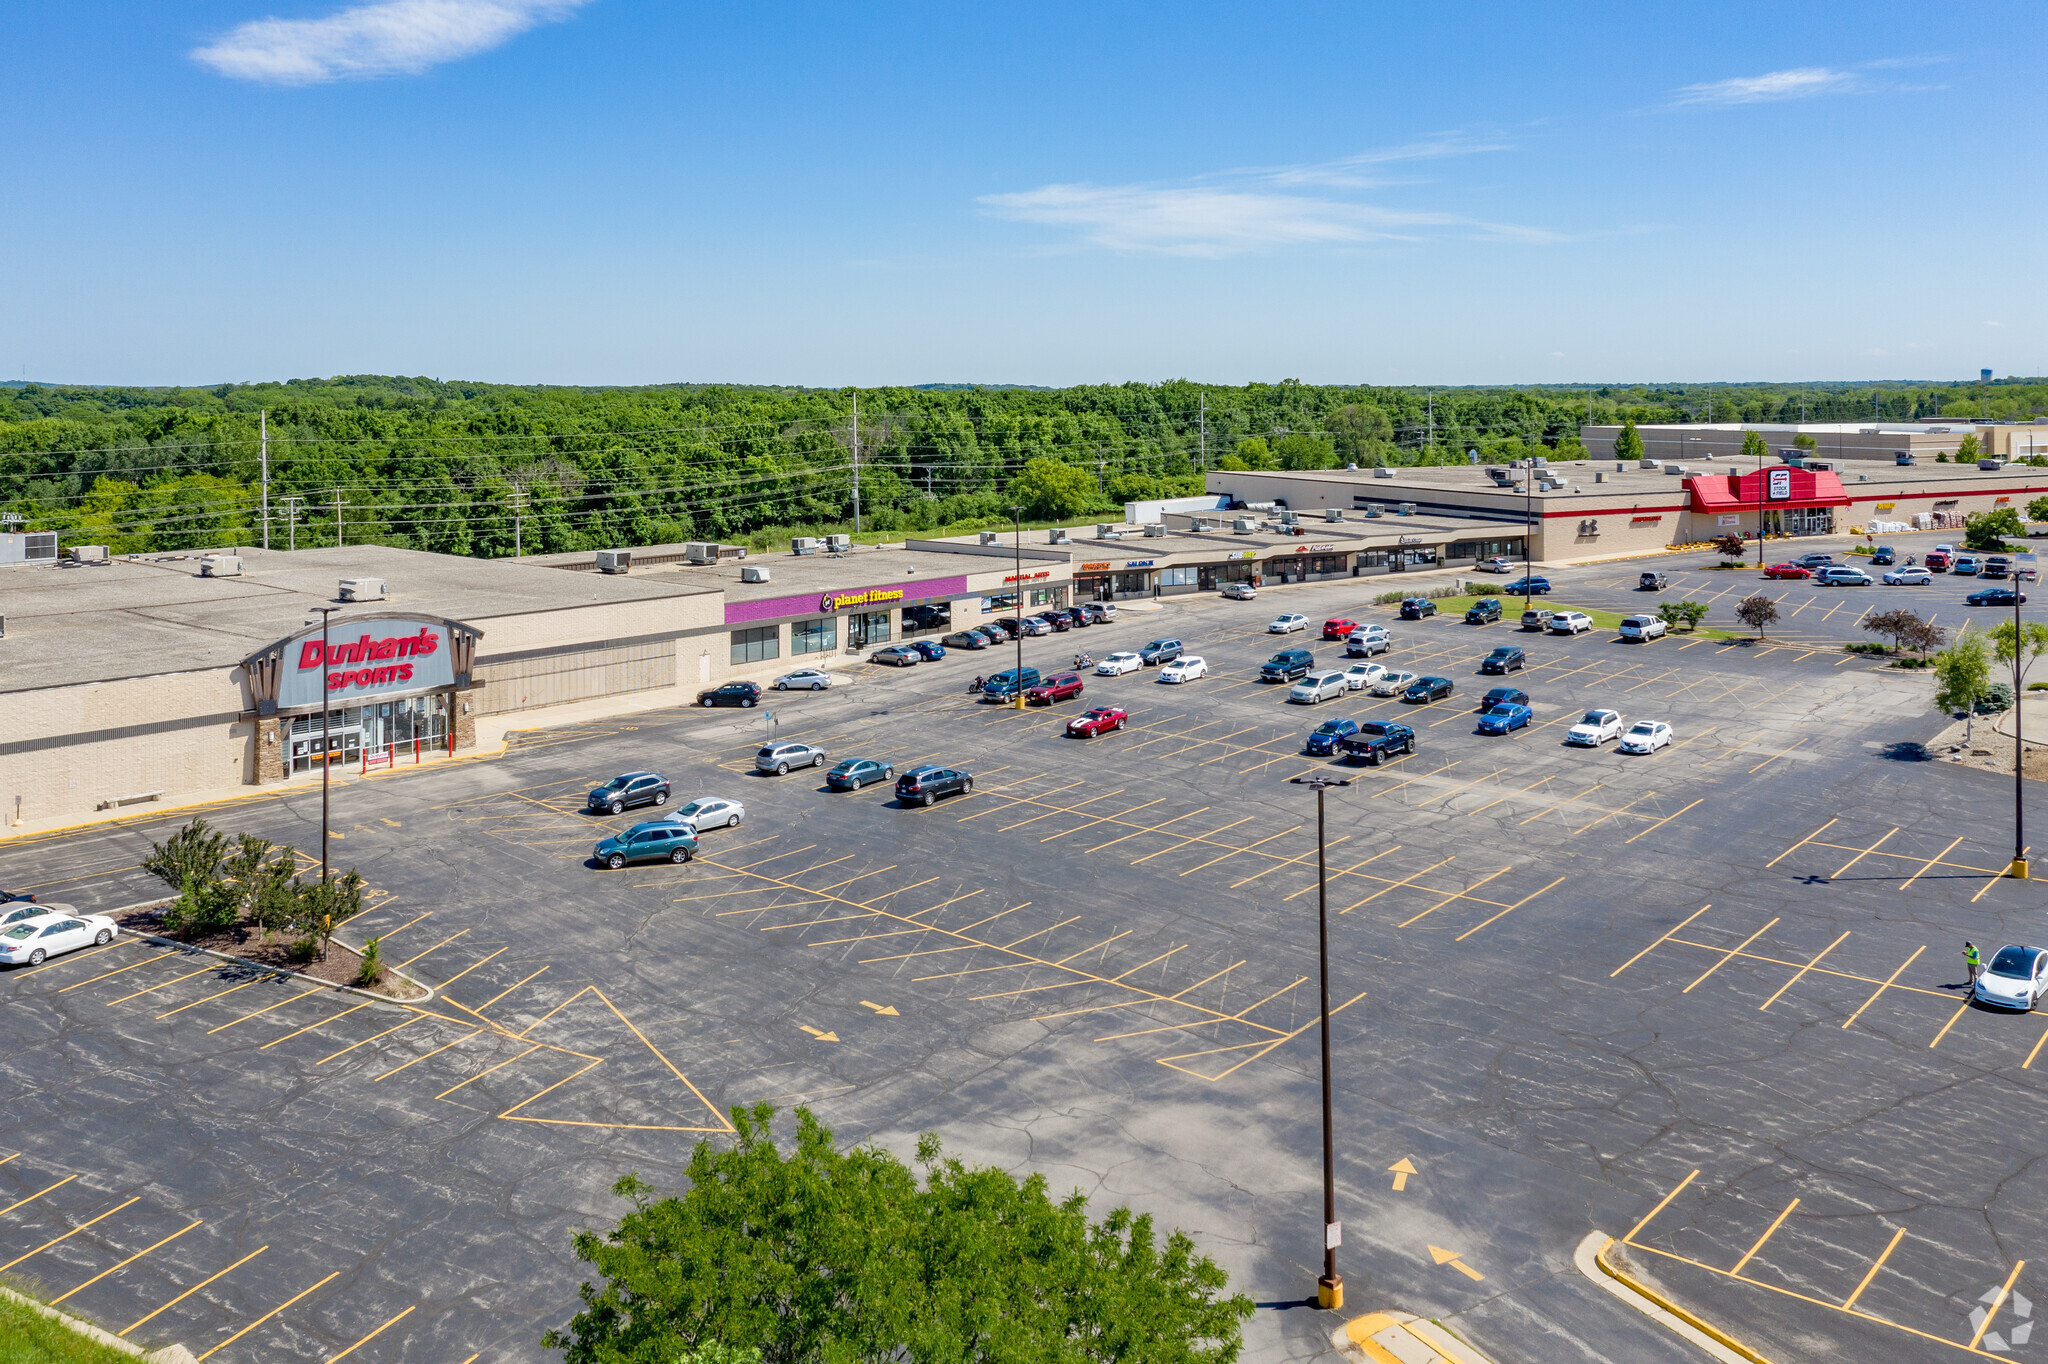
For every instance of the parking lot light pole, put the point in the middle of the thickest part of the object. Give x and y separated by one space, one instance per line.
1330 1287
326 741
1017 517
2018 869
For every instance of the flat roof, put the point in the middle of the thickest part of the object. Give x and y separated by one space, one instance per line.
141 615
1472 480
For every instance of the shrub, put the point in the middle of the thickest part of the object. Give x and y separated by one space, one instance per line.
303 951
1682 615
371 971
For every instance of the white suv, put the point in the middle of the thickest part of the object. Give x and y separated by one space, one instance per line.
1319 687
1570 623
1368 640
1642 628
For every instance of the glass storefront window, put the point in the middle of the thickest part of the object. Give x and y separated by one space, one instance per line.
927 618
1133 584
1178 577
756 645
1209 577
814 636
381 729
1046 596
864 628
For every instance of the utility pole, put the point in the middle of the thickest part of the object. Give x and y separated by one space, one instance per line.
326 737
1202 431
1429 441
518 506
1330 1287
337 518
856 461
263 454
2018 869
291 518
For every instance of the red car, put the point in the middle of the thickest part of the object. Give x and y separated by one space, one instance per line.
1338 629
1055 688
1788 571
1097 721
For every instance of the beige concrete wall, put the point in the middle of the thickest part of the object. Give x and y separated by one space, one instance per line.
74 777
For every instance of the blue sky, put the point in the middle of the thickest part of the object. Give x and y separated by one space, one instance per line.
598 191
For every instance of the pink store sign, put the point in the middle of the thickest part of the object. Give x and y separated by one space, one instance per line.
835 600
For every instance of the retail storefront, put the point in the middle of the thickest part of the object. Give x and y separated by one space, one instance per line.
852 618
1124 581
1241 567
1309 563
1783 500
381 689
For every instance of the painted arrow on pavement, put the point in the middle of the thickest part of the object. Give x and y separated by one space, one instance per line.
1451 1258
1401 1169
821 1036
884 1010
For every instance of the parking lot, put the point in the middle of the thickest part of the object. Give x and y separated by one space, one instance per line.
1707 998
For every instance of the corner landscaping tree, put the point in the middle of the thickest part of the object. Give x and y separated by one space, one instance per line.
824 1255
1051 490
1986 531
189 861
2019 649
1962 674
1925 637
1628 445
1731 546
1900 623
1757 612
1682 615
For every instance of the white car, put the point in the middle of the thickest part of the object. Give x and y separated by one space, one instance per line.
1915 576
1595 729
1184 669
33 941
1368 640
1570 623
1643 629
1359 676
2014 978
1393 684
14 912
1117 664
707 812
1287 625
804 679
1240 592
1496 565
1646 736
1319 687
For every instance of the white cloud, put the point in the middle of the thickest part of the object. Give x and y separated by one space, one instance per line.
1249 209
1800 82
393 37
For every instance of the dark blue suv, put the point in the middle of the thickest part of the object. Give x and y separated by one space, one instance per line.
1329 736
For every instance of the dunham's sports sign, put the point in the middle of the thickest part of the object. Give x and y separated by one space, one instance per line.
365 659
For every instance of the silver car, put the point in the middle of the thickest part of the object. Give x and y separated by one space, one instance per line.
779 758
804 679
1319 687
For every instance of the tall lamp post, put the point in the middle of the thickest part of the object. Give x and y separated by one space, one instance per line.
2018 869
326 740
1760 510
1017 545
1330 1287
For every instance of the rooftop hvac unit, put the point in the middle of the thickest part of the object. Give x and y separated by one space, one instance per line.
1058 537
1820 465
1243 525
1407 509
1373 512
1500 474
1154 529
1288 518
701 552
806 544
615 561
1333 513
88 554
988 537
838 544
1647 463
1382 471
1992 464
1203 523
220 566
363 589
1678 469
36 546
754 573
1103 531
1539 460
1903 456
1599 475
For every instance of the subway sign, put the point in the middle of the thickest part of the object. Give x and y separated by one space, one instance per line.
366 659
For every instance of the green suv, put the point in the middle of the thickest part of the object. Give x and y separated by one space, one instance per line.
660 841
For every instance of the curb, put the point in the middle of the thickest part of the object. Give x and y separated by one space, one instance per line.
1591 1259
1394 1337
169 1354
277 972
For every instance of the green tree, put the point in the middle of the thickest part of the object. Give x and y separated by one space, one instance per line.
1628 444
1987 530
322 907
827 1255
1682 615
1363 432
1900 623
191 856
1805 442
2037 510
1962 675
1254 453
1969 450
1754 446
1731 545
1305 452
2018 648
1053 490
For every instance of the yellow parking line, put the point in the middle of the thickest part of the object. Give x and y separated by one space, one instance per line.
1769 1231
1865 853
435 1052
81 984
332 1359
1406 880
74 957
37 1194
480 1074
1449 898
67 1235
193 1289
1907 884
1849 1302
1998 1302
1154 829
1802 970
1808 839
264 1010
310 1026
1662 1203
1662 822
1505 912
1886 986
260 1320
1961 1009
209 967
1731 954
217 994
1659 943
1100 819
367 1040
125 1263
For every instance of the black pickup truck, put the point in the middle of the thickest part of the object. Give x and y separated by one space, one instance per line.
1377 741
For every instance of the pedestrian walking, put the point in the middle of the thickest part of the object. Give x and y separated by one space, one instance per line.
1972 960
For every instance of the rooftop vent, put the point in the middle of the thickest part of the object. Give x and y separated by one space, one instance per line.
615 561
1154 530
1383 471
220 566
807 544
363 589
1333 513
1992 464
1058 536
838 544
1406 509
701 552
88 554
754 573
1243 525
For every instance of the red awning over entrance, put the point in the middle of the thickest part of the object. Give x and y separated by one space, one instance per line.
1736 492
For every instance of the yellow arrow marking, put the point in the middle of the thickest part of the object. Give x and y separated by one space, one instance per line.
885 1010
1450 1257
1401 1169
394 824
821 1036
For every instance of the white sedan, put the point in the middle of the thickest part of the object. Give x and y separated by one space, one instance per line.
1287 625
804 679
1914 576
1359 676
33 941
1117 664
1595 729
708 812
1317 688
1240 591
2015 978
1393 684
1496 565
1646 736
1185 669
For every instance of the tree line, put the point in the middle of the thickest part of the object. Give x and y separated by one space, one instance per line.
485 469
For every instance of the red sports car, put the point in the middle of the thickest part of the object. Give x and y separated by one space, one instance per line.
1098 721
1788 571
1338 629
1055 688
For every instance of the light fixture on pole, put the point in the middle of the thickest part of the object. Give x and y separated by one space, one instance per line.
326 739
1330 1287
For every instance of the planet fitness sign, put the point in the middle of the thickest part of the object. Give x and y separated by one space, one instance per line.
372 658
